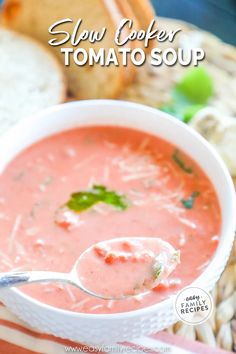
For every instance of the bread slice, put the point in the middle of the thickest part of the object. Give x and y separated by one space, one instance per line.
30 78
34 17
123 11
128 13
144 13
141 21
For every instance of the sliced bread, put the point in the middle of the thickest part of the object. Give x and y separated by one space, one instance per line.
30 78
34 17
144 13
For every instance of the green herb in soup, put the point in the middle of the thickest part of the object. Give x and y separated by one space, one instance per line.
188 203
84 200
158 269
180 162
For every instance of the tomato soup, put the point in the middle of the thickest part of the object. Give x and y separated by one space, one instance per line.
77 188
137 265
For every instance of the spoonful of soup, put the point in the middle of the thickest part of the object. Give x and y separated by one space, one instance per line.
113 269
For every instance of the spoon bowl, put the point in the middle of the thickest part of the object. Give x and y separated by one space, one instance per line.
137 263
125 266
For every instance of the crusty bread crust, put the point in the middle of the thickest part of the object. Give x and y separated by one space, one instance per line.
144 13
128 73
10 11
126 12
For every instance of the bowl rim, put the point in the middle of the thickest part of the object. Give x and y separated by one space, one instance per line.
175 122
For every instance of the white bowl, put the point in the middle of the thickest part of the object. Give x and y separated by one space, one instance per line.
111 328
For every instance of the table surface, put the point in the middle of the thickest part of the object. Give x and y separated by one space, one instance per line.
216 16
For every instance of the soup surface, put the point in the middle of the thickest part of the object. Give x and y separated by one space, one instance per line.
155 190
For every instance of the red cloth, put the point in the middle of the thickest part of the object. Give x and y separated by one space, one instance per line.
18 338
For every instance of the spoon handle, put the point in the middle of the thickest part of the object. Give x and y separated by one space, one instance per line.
20 278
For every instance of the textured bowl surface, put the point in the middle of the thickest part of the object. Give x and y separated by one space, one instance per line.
107 329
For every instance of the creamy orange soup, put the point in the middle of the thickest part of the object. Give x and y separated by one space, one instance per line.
137 265
165 195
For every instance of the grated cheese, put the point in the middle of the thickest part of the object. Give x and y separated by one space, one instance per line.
137 193
138 298
202 266
80 303
43 186
144 144
215 238
14 231
20 249
70 152
106 174
6 263
188 223
91 182
50 157
96 307
182 239
110 304
4 256
85 161
69 292
109 144
99 209
32 231
136 176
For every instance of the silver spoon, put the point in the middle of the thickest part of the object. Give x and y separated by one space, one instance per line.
17 278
